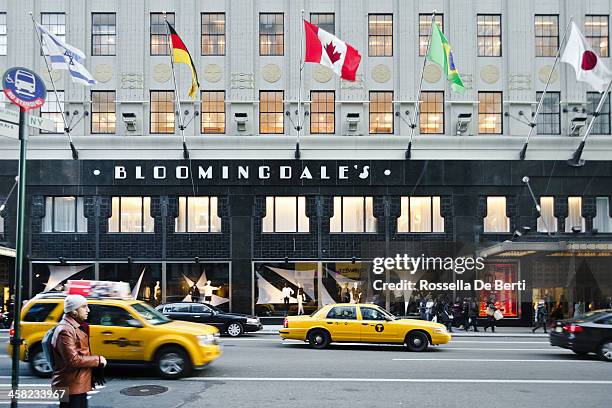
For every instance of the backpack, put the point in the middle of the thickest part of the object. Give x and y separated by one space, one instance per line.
48 347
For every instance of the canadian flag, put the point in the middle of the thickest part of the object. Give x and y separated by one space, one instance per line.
326 49
588 66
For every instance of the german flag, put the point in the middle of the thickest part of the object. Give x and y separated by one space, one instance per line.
180 54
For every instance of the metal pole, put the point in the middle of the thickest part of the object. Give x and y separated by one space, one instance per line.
532 125
16 340
75 153
177 99
575 160
535 202
299 126
415 115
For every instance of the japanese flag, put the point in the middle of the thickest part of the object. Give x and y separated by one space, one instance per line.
326 49
589 66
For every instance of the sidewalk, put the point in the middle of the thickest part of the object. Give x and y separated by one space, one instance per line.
273 329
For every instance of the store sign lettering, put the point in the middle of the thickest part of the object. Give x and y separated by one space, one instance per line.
241 172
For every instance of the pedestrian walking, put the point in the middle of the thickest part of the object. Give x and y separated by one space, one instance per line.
72 360
490 312
541 316
472 319
444 314
456 311
429 304
423 308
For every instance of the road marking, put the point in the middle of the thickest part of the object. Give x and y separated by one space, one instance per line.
492 360
21 377
499 342
398 380
550 350
32 402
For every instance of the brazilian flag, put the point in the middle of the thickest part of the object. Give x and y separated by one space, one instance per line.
440 53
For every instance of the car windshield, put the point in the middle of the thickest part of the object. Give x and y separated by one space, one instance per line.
595 314
385 313
151 315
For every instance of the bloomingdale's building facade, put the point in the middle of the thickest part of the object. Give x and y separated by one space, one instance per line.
248 217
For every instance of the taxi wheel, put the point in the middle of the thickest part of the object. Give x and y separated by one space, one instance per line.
39 365
605 350
172 363
416 341
234 329
318 339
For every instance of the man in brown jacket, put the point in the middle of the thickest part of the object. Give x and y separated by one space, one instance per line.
73 362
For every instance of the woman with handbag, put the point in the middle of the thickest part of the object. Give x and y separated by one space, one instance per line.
490 311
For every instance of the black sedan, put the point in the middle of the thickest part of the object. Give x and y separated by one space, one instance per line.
589 333
233 324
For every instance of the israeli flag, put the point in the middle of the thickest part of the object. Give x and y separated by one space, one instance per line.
65 56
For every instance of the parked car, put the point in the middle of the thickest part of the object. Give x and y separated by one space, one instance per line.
363 323
124 331
234 324
588 333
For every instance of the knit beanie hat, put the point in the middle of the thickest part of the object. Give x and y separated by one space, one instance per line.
73 302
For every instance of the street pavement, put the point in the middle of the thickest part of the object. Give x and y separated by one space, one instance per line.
264 371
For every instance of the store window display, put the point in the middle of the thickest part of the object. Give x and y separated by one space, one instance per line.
278 287
48 277
199 282
143 279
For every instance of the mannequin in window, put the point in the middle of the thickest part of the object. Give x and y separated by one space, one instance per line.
195 293
157 293
286 294
147 293
301 297
345 296
208 292
355 293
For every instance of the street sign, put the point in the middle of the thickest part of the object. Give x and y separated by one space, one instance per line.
24 88
9 130
8 115
41 123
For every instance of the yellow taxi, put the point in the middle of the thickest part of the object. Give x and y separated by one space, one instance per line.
363 323
123 331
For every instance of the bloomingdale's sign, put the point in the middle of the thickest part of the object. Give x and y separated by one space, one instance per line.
243 171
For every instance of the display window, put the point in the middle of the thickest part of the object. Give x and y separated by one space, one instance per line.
199 282
507 301
347 282
47 277
145 280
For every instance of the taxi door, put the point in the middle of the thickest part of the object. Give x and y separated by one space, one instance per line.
342 323
111 334
376 328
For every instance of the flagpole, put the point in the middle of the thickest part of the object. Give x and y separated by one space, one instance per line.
576 160
415 115
533 122
75 153
298 128
177 98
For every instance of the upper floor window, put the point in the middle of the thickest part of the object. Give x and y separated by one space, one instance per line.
574 218
159 33
213 34
353 214
496 219
271 115
380 35
420 214
271 34
322 112
546 35
285 214
197 214
213 112
602 221
602 122
52 110
431 117
131 214
547 222
381 112
103 116
425 30
549 119
64 214
596 30
325 21
489 35
3 36
55 23
490 112
162 112
103 33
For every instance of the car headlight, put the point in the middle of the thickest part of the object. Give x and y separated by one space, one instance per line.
207 339
441 330
252 321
